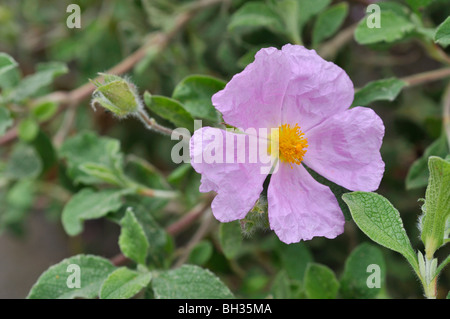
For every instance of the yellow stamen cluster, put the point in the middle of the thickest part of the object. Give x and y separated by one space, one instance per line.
292 143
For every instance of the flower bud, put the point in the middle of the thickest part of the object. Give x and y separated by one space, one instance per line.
117 95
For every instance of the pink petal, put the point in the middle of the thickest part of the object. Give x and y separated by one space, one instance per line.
238 185
253 98
346 149
300 208
285 86
317 88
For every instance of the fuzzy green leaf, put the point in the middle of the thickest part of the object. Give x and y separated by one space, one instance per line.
169 109
89 204
124 283
52 284
189 282
381 222
437 204
24 162
132 240
195 92
393 28
320 282
442 35
357 272
230 237
380 90
329 21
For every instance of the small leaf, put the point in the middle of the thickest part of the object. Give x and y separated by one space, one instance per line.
88 147
189 282
89 204
201 253
52 283
169 109
357 271
381 222
320 282
124 283
230 237
28 130
24 162
255 15
308 9
329 21
416 5
132 240
393 28
44 111
442 35
195 93
295 259
31 85
5 120
7 63
437 205
418 173
281 286
380 90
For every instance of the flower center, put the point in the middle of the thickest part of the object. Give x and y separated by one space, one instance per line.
292 143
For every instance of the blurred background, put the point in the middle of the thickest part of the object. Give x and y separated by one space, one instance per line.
33 32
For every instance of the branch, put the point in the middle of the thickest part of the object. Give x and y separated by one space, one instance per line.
428 76
158 41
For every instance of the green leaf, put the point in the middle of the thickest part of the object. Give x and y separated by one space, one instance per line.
132 240
416 5
5 120
329 21
189 282
201 253
28 130
230 237
437 205
24 162
7 63
169 109
255 15
354 280
288 10
31 85
52 284
195 93
442 35
295 259
89 204
124 283
320 282
381 222
281 286
44 111
9 72
308 9
101 153
179 173
380 90
393 28
418 172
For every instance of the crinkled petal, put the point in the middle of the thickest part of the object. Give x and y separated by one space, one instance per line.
300 208
238 185
253 98
346 149
285 86
317 89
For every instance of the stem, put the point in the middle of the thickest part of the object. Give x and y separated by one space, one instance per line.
149 192
428 76
151 124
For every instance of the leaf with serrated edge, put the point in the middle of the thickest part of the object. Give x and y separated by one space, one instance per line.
381 222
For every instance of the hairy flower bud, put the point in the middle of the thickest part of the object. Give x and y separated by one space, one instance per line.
117 95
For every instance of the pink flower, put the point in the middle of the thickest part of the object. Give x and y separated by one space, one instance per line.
308 100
